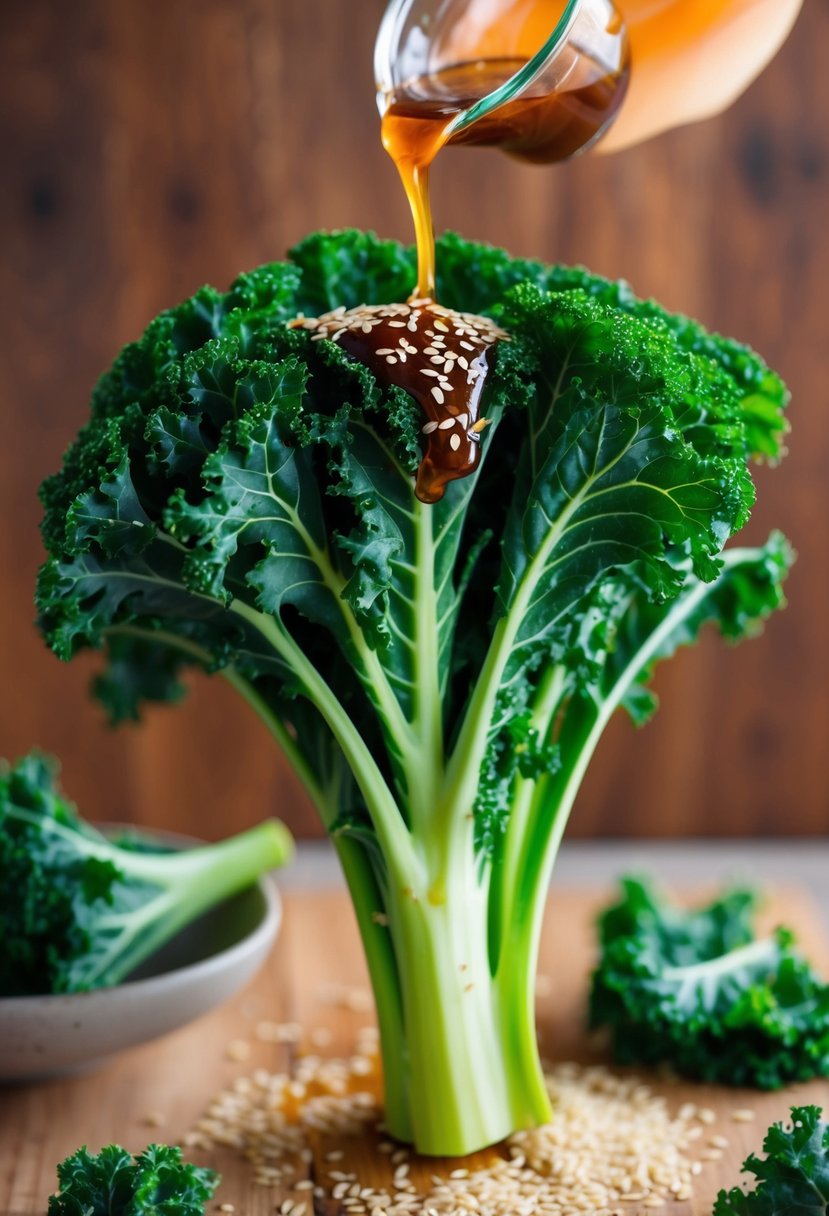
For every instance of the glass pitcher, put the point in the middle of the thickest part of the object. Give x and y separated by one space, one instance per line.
490 69
691 58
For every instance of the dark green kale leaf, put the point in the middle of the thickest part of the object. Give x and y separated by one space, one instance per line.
156 1182
696 989
793 1179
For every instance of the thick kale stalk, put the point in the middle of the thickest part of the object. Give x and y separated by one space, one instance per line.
439 676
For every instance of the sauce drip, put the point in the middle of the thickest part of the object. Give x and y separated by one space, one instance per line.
440 357
540 126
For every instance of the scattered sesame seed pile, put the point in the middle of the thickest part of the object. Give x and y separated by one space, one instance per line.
611 1144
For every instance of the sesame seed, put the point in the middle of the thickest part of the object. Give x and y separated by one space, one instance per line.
397 324
447 423
391 359
428 427
455 443
742 1115
611 1144
466 346
442 326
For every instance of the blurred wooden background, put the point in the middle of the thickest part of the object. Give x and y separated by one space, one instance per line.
149 146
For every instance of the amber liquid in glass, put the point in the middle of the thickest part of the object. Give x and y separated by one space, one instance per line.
540 127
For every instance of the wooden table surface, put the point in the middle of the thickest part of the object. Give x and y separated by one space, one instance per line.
159 1091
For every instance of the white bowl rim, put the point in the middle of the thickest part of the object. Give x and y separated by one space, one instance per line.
259 939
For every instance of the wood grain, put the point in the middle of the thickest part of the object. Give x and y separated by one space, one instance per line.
159 1091
147 148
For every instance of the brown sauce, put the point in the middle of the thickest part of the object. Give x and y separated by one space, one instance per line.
438 356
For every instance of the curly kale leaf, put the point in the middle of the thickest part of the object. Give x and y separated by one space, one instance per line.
793 1178
477 277
156 1182
698 990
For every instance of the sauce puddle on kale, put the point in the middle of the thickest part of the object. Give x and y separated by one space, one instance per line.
439 356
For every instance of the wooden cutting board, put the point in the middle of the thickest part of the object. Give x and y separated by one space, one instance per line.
158 1092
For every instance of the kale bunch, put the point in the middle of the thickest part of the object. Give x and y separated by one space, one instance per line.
241 500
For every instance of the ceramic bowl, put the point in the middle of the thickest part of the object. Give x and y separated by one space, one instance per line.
209 961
